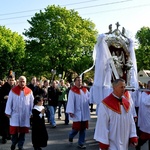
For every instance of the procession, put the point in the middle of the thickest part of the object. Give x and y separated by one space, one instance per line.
121 114
59 136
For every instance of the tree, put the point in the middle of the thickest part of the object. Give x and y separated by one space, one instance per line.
143 51
59 39
12 48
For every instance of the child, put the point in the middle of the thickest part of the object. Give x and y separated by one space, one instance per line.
39 132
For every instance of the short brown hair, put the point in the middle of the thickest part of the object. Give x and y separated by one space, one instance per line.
76 78
117 81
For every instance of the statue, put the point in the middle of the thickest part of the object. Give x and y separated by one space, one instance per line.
129 66
118 61
110 28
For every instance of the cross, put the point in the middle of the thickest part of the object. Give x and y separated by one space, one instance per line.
117 24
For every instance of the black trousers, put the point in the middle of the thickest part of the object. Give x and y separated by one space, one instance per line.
18 138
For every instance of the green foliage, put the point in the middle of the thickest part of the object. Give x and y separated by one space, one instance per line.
12 48
143 51
59 39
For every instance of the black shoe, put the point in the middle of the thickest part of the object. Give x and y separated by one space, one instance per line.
70 141
4 141
66 122
53 126
12 147
82 146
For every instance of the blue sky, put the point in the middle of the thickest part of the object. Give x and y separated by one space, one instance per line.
131 14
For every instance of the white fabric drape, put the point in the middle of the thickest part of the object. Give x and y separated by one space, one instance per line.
103 72
101 69
134 76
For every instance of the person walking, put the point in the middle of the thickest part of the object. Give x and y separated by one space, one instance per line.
53 94
79 112
39 132
144 118
4 120
115 127
36 90
19 110
45 95
69 86
62 100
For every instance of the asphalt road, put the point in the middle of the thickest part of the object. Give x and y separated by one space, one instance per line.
58 137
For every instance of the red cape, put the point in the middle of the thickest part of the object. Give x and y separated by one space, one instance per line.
112 103
17 90
77 90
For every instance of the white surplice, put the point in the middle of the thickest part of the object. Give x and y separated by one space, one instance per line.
144 113
78 104
114 129
19 107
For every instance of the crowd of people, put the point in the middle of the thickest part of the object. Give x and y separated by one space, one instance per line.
25 105
123 116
